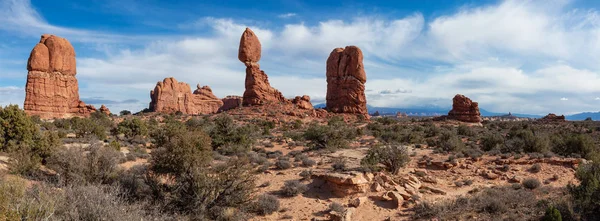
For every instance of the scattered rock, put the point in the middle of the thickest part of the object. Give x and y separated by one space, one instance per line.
396 197
356 202
346 79
345 184
491 176
435 190
463 109
344 216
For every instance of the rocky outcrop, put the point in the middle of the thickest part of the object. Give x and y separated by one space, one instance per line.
553 118
465 110
231 102
346 80
303 102
258 90
52 91
171 96
104 110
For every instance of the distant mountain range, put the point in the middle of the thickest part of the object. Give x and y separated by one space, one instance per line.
430 111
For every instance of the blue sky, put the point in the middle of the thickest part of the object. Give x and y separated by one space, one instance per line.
519 56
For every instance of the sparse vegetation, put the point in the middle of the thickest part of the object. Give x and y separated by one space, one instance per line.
393 157
293 188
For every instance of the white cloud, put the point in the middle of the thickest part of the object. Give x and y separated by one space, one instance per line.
516 56
287 15
12 95
564 99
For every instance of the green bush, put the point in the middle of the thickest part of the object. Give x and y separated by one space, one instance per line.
552 214
85 127
24 141
132 127
181 150
525 140
450 142
336 135
574 144
225 133
492 141
465 130
393 157
586 195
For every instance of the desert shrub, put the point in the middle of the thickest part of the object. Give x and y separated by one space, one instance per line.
132 127
307 162
181 151
293 188
525 140
225 133
24 141
552 214
266 204
586 195
431 130
17 202
125 113
535 168
16 128
97 203
137 184
450 142
531 183
335 135
492 141
283 163
574 144
336 207
488 204
209 192
465 130
99 165
85 127
339 164
393 157
305 174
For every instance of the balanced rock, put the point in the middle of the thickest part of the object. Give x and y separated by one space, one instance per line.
171 96
258 89
346 80
52 91
465 110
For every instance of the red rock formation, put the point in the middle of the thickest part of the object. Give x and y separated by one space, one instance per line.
303 102
258 90
104 110
231 102
346 80
553 118
463 109
170 96
52 90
